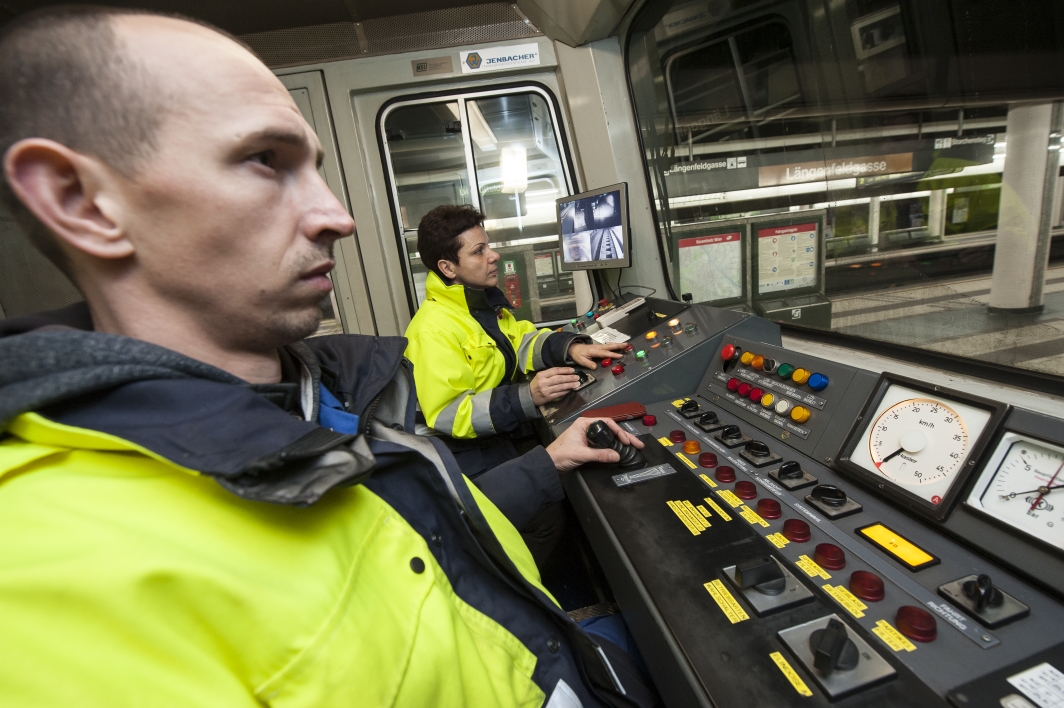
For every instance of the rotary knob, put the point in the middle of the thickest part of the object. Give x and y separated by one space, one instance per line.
730 432
708 418
790 470
756 448
829 494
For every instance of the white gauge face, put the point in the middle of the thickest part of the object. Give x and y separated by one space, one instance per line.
1023 486
918 442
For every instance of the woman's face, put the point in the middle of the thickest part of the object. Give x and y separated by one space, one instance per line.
477 265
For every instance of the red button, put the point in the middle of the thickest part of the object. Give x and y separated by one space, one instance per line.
707 459
744 389
677 436
830 556
727 352
649 420
756 394
796 530
769 509
617 369
867 586
607 361
916 623
745 490
733 383
725 474
628 347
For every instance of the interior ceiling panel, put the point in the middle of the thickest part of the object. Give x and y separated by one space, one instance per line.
243 17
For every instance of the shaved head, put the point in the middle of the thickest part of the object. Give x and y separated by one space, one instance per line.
66 74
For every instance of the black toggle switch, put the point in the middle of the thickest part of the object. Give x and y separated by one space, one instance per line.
762 574
731 432
758 448
829 494
791 469
982 593
833 650
689 406
707 418
599 435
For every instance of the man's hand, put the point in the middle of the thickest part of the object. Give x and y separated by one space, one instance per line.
552 384
571 450
585 354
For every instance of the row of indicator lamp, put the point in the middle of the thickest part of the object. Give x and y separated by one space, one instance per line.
817 382
782 406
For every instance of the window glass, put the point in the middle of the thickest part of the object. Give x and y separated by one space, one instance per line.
509 141
862 129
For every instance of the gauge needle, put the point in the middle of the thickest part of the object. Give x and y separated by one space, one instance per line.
1050 486
1012 495
890 456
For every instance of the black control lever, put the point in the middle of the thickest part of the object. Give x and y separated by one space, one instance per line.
982 592
833 650
762 574
599 435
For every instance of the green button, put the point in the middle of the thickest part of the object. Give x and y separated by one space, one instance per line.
573 322
785 370
640 354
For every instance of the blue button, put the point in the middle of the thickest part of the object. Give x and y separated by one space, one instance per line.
590 314
818 382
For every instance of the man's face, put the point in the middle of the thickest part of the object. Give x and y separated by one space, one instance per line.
230 220
478 265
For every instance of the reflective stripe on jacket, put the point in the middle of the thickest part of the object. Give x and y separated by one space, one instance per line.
467 347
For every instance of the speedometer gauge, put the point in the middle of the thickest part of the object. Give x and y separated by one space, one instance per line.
1022 485
918 444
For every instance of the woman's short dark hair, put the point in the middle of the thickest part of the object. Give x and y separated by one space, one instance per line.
438 232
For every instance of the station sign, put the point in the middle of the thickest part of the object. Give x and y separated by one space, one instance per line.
477 61
775 175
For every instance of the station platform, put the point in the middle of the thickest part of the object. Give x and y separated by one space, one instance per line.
952 318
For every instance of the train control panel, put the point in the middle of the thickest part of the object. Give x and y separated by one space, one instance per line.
801 532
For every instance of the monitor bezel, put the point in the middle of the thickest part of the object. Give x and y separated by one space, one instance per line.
625 262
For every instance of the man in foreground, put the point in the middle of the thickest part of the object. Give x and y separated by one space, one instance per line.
198 507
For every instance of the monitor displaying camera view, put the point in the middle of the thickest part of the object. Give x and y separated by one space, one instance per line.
594 229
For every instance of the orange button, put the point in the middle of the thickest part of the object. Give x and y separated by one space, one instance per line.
758 362
746 358
800 414
800 376
691 447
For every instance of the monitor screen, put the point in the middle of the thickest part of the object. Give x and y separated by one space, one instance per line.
594 229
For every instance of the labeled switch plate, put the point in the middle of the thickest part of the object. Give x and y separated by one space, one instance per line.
834 512
1009 610
806 480
794 594
871 668
756 461
732 444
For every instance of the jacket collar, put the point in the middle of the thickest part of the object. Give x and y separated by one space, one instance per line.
472 299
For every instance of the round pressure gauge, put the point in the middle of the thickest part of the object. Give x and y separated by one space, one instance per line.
1022 485
918 441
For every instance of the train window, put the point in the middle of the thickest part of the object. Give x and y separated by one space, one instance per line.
499 151
862 122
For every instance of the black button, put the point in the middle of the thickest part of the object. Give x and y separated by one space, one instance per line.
553 645
436 538
417 565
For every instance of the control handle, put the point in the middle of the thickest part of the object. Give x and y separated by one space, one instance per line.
599 435
982 593
833 650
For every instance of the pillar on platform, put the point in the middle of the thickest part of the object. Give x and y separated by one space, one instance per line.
1025 214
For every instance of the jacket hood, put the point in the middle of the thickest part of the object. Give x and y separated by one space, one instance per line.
198 416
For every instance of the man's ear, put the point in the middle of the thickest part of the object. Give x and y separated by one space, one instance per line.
70 193
447 268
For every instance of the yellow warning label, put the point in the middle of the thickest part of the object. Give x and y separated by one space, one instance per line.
716 507
728 605
752 516
680 401
681 513
665 441
685 460
703 511
847 599
791 674
707 480
778 540
729 496
694 515
811 568
892 637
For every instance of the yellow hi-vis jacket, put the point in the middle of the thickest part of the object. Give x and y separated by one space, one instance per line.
467 348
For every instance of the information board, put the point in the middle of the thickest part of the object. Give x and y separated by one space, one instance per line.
787 258
711 267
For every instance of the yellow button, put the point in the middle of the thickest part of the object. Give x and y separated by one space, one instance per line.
758 362
746 358
800 376
652 335
767 400
901 548
800 414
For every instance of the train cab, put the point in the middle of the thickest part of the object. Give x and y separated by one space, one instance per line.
832 235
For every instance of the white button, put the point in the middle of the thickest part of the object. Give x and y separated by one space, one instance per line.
784 406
